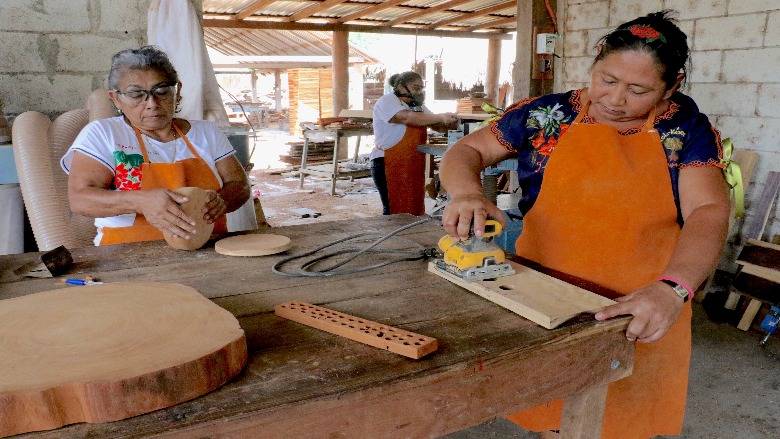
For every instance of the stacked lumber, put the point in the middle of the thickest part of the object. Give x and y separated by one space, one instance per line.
318 152
311 96
471 105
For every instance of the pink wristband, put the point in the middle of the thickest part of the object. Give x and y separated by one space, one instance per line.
682 284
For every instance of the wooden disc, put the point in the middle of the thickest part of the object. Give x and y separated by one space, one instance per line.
260 244
101 353
193 206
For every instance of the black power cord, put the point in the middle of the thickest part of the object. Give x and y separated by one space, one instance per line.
307 269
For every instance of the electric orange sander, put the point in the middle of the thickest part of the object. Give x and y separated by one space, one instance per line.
474 258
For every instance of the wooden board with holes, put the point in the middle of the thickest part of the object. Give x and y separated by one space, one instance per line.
101 353
543 299
374 334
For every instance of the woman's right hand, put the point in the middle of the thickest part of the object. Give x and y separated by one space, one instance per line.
161 209
462 210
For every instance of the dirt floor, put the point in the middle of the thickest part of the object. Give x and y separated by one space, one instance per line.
734 388
285 203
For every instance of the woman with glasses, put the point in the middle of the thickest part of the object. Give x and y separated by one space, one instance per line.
123 170
401 123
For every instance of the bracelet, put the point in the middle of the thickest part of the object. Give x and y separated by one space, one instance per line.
682 284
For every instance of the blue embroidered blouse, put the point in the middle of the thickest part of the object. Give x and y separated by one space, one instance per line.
530 129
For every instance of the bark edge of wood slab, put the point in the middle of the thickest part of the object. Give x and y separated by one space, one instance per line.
102 353
196 200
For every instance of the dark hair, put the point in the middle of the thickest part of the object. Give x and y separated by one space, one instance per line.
145 57
403 78
655 34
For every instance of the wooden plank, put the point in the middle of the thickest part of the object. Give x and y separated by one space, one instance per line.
757 270
749 315
756 287
492 345
304 383
760 254
536 296
755 229
358 329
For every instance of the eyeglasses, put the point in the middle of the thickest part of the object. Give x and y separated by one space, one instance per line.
137 97
415 87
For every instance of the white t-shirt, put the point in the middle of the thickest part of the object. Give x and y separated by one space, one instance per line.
386 134
113 143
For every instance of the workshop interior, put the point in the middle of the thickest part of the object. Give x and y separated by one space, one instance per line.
373 251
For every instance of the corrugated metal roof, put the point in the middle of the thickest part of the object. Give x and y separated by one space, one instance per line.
274 43
296 28
433 17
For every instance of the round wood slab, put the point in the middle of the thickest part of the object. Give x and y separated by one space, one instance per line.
193 206
101 353
260 244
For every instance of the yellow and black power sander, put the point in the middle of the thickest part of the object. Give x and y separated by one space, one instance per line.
474 258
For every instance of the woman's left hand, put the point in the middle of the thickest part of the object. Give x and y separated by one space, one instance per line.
215 207
655 308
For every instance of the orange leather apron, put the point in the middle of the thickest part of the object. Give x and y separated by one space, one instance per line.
188 172
405 172
606 213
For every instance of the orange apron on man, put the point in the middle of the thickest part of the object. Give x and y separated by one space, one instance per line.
606 213
405 172
188 172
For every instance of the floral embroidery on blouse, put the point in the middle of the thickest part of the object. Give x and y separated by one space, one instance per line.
549 123
127 176
672 141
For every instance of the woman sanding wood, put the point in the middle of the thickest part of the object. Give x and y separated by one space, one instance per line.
622 186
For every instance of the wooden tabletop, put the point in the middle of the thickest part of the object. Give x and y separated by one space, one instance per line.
302 382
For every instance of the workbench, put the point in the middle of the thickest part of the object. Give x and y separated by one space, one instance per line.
335 169
304 383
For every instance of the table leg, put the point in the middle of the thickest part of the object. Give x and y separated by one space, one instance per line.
583 413
357 148
335 173
303 159
429 165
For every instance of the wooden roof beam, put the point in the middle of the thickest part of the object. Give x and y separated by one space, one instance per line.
478 13
252 8
426 11
371 10
276 25
493 23
311 10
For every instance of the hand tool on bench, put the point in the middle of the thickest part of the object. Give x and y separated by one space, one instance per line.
52 263
474 258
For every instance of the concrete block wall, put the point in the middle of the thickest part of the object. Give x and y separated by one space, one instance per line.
55 52
734 77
